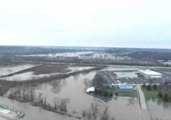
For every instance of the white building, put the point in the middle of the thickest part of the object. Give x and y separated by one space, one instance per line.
90 90
149 74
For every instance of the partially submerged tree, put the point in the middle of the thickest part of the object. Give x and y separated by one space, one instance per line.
94 113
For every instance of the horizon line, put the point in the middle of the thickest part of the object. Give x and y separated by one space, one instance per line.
76 46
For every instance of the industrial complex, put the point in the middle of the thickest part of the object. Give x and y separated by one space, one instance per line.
124 80
149 74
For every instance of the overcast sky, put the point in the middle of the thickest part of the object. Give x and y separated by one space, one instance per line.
113 23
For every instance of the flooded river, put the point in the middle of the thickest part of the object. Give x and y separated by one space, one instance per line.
73 88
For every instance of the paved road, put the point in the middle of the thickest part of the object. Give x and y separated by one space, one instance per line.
142 98
144 113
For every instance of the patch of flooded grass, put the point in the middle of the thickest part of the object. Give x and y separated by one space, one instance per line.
152 94
5 70
127 94
161 94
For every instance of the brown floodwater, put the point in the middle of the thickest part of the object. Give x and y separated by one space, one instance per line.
33 113
73 88
159 111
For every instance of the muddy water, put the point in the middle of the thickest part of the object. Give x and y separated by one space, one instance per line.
30 75
11 69
159 111
33 113
124 108
74 88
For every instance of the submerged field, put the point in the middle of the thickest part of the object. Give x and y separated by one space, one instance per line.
31 72
9 69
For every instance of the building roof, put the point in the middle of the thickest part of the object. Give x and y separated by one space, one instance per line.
150 72
90 89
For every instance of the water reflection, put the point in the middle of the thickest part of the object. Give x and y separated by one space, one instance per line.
159 102
57 85
131 101
76 77
105 99
159 110
124 108
72 88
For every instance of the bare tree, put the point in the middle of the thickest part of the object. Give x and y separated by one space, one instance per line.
63 105
91 113
105 114
94 110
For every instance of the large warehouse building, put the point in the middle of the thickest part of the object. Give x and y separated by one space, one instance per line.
149 74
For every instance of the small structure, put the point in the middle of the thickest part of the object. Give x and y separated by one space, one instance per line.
125 86
9 113
90 90
149 74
